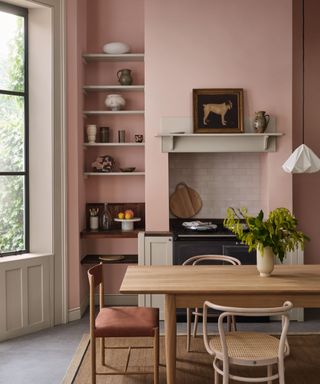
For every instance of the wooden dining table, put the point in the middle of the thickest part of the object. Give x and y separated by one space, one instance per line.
190 286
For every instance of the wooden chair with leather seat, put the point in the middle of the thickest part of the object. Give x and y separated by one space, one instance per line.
196 260
230 349
126 322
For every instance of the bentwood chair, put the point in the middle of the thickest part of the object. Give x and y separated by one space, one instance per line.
125 322
252 349
196 260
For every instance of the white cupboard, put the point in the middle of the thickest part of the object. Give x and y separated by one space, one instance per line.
154 250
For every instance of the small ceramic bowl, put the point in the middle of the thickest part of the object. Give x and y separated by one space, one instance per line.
116 48
127 169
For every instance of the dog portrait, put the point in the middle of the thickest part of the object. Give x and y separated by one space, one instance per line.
218 110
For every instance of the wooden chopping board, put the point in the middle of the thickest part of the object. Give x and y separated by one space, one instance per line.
185 202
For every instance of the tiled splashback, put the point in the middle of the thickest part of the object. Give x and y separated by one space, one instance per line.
221 179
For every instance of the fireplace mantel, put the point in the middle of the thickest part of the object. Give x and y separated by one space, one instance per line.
218 142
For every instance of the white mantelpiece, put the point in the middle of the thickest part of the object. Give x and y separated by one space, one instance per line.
219 142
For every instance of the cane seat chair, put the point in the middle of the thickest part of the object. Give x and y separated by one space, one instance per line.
196 260
253 349
125 322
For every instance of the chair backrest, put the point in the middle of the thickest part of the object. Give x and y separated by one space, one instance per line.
95 276
282 311
194 260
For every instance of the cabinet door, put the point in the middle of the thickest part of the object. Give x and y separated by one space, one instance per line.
154 250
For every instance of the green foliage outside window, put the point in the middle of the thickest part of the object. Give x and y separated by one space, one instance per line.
12 216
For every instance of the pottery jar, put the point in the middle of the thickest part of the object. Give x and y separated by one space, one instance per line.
124 76
261 121
115 102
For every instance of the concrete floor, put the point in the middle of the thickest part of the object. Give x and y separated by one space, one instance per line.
43 357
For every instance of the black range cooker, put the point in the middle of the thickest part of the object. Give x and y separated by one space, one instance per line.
211 237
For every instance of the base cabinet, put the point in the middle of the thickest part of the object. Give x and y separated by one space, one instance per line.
154 250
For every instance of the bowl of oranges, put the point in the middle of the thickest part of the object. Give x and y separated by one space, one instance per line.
127 220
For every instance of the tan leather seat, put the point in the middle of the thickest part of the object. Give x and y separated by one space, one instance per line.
126 322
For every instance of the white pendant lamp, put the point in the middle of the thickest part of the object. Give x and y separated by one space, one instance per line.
303 159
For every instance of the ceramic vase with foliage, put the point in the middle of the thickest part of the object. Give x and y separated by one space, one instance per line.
273 237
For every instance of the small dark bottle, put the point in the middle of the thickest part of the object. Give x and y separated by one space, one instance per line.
106 218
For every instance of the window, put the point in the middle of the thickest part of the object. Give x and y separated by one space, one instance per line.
14 211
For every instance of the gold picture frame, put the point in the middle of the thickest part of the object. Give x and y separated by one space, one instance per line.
218 110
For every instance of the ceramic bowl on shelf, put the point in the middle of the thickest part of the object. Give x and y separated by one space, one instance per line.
127 224
127 169
116 48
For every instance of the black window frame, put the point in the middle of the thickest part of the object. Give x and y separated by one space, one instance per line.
23 12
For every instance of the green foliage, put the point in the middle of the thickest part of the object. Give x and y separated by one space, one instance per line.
279 231
12 148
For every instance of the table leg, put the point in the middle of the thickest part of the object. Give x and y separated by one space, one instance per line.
170 337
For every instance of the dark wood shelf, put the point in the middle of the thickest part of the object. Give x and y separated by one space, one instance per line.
94 259
113 233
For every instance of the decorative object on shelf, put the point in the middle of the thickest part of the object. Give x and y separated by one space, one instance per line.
103 164
94 219
127 169
272 237
104 134
127 224
218 110
106 218
121 136
124 76
116 48
115 102
261 121
138 138
91 133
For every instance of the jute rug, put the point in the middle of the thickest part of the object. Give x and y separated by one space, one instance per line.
302 366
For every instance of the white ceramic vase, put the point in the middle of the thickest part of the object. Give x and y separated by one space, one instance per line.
91 133
115 102
265 262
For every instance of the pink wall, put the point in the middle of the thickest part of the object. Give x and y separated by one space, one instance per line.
222 43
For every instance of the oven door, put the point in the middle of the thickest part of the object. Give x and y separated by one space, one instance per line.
185 247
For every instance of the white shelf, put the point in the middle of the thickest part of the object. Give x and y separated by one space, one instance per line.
114 173
109 57
132 112
113 144
219 142
105 88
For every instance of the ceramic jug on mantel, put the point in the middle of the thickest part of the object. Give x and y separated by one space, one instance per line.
261 121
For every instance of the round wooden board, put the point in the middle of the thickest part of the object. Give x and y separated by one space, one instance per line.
185 202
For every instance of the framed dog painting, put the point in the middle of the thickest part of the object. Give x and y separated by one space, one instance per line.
218 110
